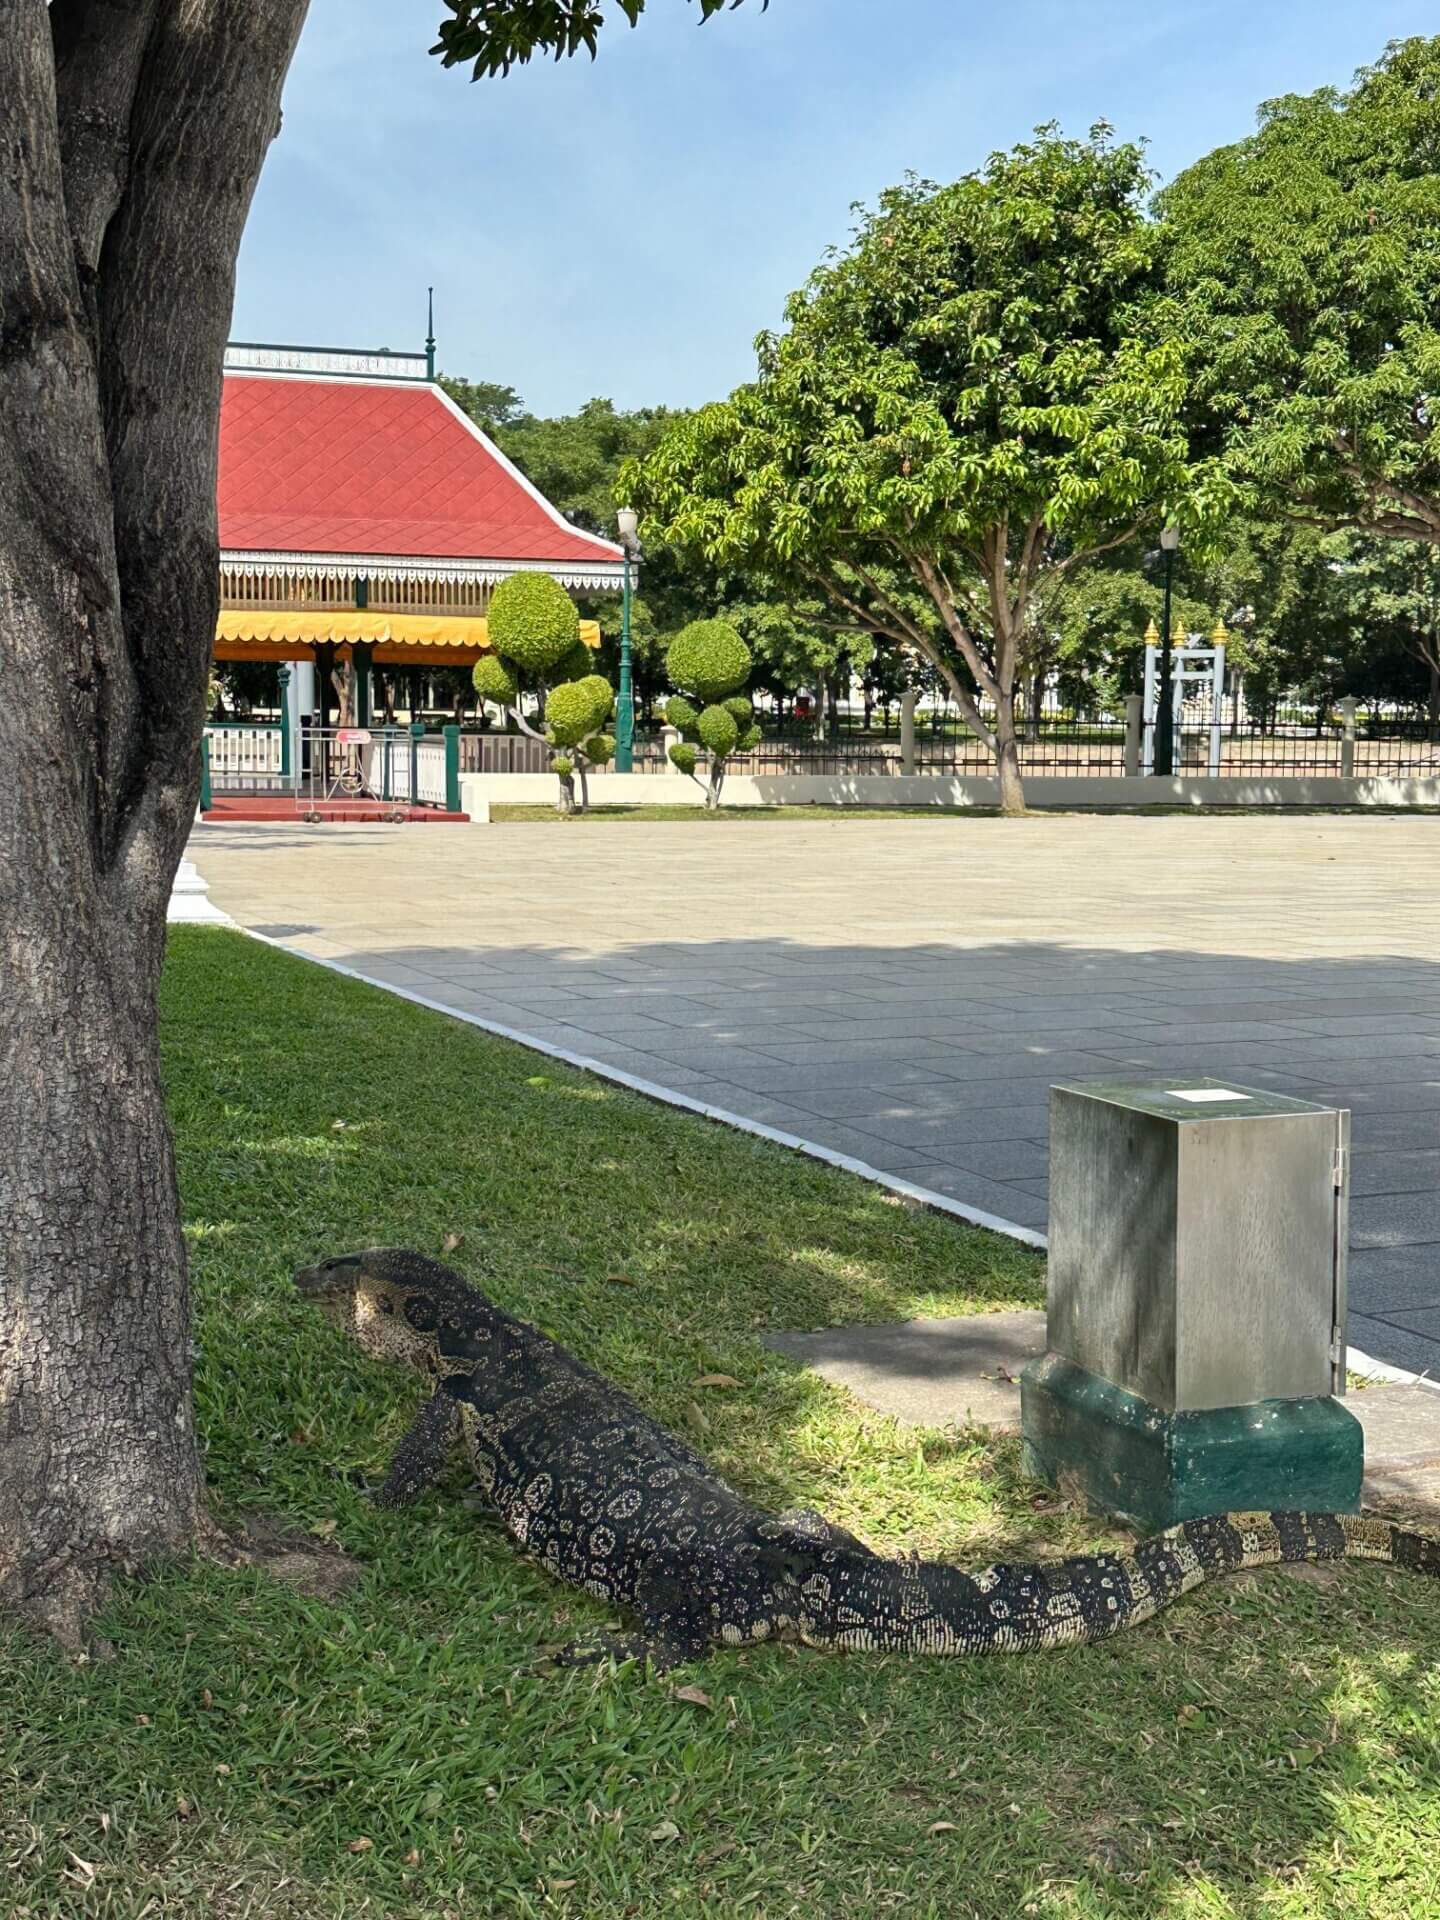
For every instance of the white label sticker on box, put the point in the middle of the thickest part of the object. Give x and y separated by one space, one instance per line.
1200 1096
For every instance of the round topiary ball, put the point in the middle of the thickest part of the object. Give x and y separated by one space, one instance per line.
601 749
680 713
718 731
569 714
685 758
601 696
739 705
563 765
574 665
495 681
532 621
749 740
708 659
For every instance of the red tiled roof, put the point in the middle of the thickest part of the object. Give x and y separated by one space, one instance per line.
375 467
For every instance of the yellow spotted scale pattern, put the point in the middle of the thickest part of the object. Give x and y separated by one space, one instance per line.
607 1500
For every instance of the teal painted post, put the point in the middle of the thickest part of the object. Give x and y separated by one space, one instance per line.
452 769
205 794
385 763
417 734
625 704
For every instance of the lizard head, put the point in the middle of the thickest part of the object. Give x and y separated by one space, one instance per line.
393 1303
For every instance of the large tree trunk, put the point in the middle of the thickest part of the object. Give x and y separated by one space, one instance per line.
135 132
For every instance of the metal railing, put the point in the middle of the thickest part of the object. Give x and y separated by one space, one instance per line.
1101 745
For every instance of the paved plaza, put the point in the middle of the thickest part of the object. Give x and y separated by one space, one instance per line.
904 992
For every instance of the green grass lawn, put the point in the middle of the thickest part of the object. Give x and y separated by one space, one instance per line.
1269 1749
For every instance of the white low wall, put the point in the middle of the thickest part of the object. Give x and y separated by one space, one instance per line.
480 791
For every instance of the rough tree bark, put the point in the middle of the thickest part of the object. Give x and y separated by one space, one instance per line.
134 132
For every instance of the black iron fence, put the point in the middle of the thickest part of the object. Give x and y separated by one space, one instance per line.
1079 745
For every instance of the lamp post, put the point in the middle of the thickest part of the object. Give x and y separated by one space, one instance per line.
628 522
1164 758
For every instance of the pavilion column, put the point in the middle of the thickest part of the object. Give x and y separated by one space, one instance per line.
299 699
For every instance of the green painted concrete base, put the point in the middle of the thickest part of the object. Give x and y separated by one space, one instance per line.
1154 1468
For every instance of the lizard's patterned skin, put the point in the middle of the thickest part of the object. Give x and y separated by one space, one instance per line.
606 1499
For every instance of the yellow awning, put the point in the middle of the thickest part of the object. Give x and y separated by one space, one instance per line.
354 626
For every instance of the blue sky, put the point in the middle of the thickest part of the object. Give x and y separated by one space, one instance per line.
627 227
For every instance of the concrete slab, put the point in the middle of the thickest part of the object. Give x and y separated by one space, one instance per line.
928 1373
1402 1447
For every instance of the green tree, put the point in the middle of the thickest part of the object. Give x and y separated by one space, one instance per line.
489 404
1303 267
709 665
963 397
795 645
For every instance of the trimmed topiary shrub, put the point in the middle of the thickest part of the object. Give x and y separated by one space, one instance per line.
535 633
707 660
718 732
600 749
495 681
709 663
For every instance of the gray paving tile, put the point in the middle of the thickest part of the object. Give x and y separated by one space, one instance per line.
1394 1132
1401 1346
719 1060
1389 1280
1392 1097
792 1080
986 1196
1372 1173
945 1132
1360 1047
815 1052
1002 1160
1421 1320
887 1102
1396 1219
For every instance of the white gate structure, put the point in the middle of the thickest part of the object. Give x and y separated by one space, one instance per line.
1197 673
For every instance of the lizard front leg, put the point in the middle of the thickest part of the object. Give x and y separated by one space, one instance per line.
420 1458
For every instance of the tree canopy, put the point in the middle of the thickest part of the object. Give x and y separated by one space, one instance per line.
964 398
1304 277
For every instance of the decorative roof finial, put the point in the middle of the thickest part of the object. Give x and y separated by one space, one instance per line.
430 339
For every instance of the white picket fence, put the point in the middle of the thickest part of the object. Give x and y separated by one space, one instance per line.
245 759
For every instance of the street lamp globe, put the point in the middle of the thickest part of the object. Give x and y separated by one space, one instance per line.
1170 539
628 521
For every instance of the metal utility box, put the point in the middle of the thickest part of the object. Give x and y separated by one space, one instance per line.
1196 1317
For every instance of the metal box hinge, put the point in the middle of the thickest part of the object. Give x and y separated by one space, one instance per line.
1341 1167
1337 1346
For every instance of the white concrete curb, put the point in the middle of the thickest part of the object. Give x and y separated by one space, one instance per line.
1358 1362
